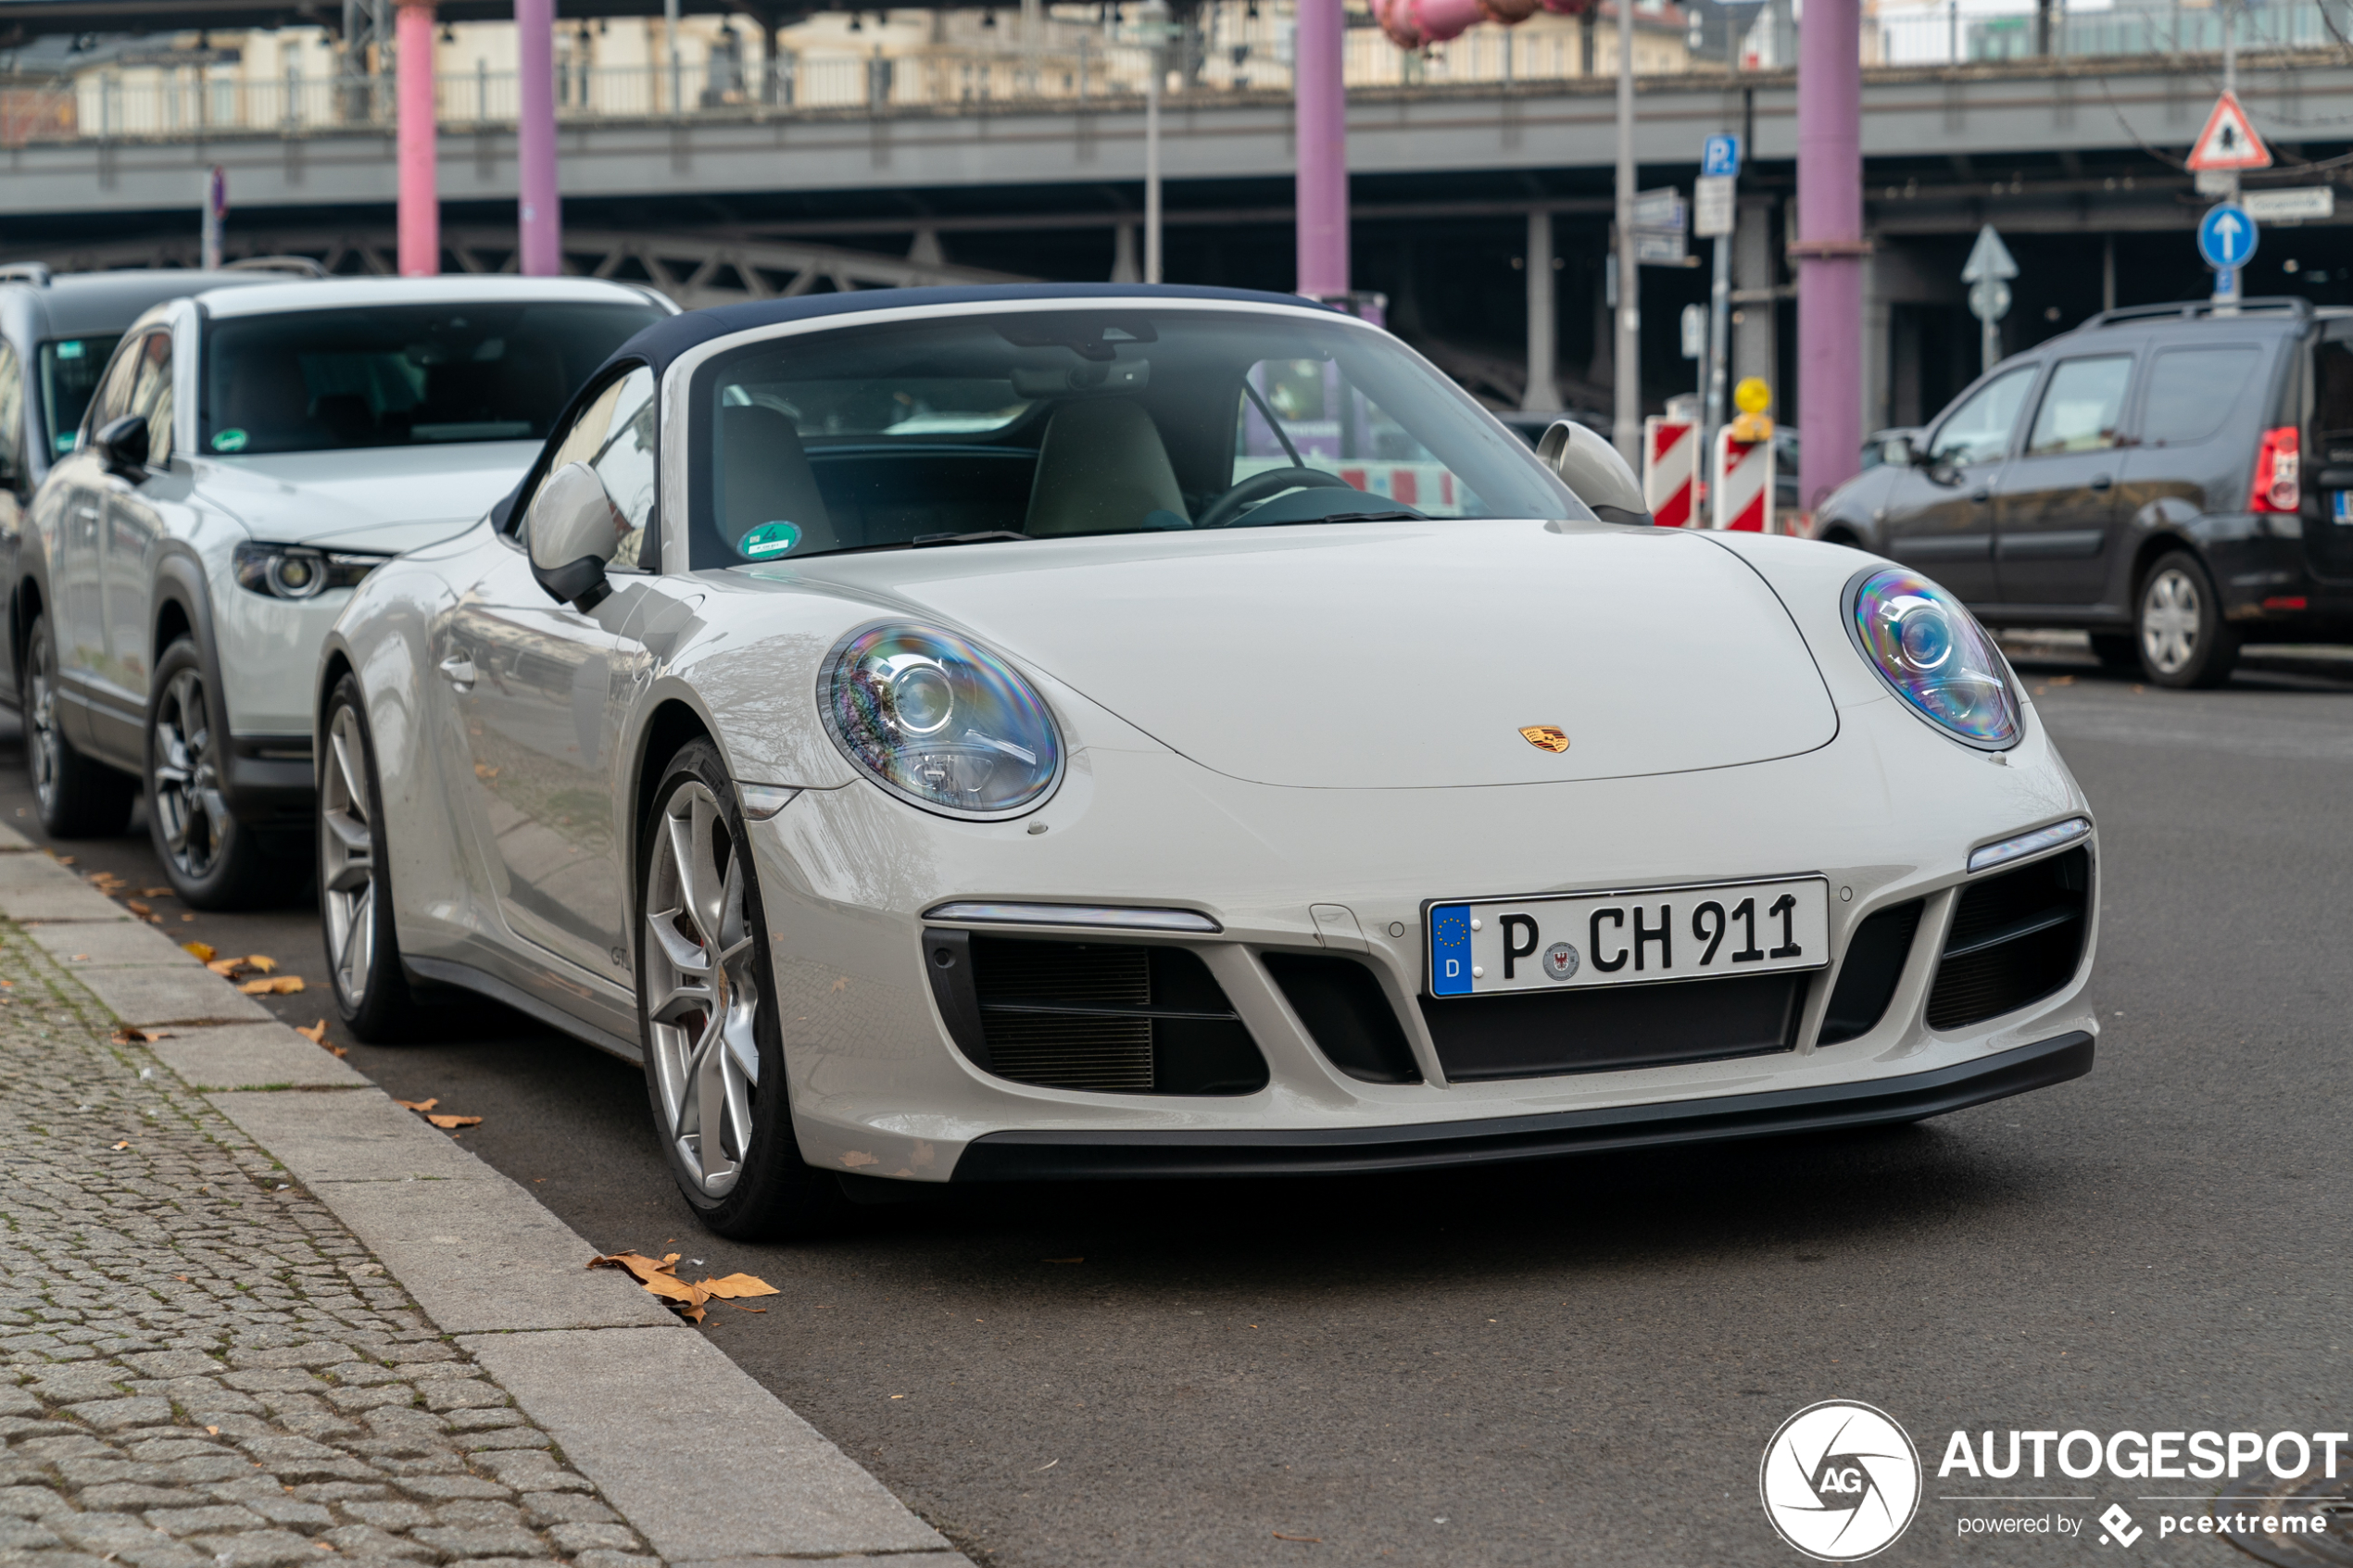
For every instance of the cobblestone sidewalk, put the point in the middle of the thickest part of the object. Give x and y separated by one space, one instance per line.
201 1368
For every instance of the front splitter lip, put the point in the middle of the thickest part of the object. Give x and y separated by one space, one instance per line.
1074 1155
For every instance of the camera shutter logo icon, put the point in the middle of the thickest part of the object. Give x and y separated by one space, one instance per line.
1841 1480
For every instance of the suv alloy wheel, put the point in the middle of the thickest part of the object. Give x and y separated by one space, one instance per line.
212 860
76 798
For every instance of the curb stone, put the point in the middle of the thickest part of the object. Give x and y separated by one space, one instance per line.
631 1395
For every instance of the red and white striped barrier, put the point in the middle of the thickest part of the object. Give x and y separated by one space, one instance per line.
1743 491
1670 465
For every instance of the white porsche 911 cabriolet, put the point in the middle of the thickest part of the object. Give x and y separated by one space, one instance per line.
1088 732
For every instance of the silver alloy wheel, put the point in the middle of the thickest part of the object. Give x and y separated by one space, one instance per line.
185 792
347 856
2169 620
702 991
41 715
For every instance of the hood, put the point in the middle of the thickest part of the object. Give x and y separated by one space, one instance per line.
1397 656
369 498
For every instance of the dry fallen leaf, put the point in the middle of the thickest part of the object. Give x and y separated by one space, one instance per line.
275 985
61 860
314 1032
221 967
127 1035
339 1050
451 1123
124 1144
659 1276
214 1430
79 958
1317 1540
741 1307
155 893
418 1104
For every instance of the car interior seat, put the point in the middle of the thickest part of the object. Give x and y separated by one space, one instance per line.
764 477
1102 468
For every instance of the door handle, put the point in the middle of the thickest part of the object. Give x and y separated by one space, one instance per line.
459 670
2102 480
1981 494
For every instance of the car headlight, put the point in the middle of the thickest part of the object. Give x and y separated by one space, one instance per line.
1934 655
939 720
293 572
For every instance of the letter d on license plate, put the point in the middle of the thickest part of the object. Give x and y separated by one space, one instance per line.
1476 948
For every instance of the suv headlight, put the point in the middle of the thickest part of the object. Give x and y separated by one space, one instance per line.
1934 655
939 720
296 571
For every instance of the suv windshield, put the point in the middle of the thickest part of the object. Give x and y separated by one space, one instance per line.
70 371
1084 421
402 375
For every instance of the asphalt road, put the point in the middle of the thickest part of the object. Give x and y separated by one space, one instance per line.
1582 1361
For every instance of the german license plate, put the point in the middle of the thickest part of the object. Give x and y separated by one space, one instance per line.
2340 507
1560 943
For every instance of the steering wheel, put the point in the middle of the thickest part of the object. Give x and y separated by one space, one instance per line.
1221 512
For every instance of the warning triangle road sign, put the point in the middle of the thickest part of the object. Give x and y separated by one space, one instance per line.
2229 140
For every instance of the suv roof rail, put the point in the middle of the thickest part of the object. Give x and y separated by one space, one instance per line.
301 265
34 272
2294 305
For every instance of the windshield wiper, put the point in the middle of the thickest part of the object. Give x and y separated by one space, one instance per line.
1396 516
925 541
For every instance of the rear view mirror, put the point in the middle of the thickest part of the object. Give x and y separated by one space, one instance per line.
1592 468
122 445
1896 452
573 530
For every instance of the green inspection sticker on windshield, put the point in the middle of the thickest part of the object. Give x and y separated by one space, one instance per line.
768 539
230 441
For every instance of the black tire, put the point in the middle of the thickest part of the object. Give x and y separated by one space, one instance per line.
75 797
2119 651
212 860
371 988
2178 627
696 1038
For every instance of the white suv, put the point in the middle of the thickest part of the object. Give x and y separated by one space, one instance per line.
250 454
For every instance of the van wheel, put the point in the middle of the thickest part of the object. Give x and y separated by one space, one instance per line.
76 798
2183 640
212 860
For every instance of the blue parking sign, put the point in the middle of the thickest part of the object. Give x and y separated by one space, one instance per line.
1720 155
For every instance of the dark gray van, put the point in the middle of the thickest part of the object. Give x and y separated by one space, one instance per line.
2175 482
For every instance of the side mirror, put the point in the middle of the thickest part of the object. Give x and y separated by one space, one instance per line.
1592 468
1896 452
122 445
573 529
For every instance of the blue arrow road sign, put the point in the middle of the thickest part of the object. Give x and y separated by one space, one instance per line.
1720 155
2226 237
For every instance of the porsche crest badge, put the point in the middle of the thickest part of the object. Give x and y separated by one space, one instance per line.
1546 738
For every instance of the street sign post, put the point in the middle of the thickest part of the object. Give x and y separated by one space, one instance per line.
216 209
1987 272
2226 239
1716 213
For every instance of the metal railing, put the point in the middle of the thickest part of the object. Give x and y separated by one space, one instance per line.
194 102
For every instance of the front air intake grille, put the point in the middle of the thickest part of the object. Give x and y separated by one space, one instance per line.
1107 1016
1533 1033
1347 1015
2015 938
1867 978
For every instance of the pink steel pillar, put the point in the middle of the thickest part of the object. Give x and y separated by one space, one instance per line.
1322 139
420 188
1828 246
540 209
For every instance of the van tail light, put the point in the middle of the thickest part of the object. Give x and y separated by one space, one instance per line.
2278 472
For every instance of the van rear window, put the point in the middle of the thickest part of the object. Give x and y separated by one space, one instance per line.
2192 391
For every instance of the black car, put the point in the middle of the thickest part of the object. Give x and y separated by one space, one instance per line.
2142 478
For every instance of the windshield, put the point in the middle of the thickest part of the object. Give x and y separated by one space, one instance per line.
70 372
1087 421
402 375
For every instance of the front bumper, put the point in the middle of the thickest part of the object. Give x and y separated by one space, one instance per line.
1030 1156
